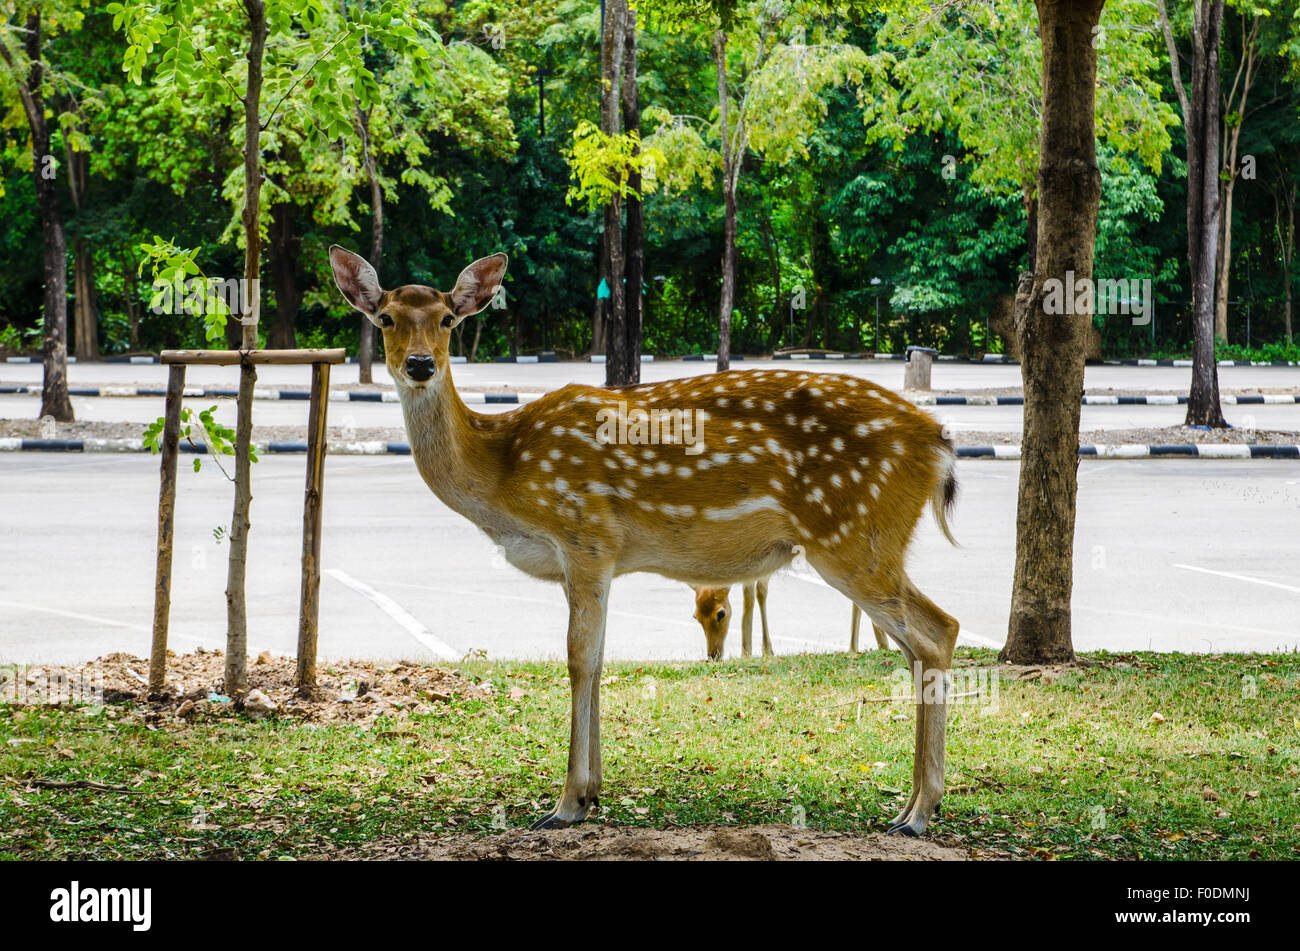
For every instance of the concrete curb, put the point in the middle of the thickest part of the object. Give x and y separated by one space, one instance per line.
262 393
379 448
390 396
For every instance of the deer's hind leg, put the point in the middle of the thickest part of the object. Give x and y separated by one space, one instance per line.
761 589
927 637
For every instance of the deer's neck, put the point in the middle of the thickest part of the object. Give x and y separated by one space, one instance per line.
458 452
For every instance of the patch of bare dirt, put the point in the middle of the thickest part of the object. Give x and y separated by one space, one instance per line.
588 842
350 691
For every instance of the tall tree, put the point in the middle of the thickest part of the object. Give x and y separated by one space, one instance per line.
773 67
634 239
1052 344
1200 106
612 51
21 50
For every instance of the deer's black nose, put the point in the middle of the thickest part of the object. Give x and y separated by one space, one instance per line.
419 368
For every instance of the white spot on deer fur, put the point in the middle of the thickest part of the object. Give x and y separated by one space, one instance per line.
647 471
545 465
776 485
732 440
769 406
837 444
747 457
897 447
685 471
862 508
875 491
855 475
721 458
813 451
837 481
809 423
649 507
525 456
555 454
886 467
756 427
816 495
663 468
724 402
560 485
742 508
748 404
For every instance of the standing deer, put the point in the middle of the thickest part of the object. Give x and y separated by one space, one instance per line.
713 611
710 480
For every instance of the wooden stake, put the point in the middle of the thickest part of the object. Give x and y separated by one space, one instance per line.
309 613
162 597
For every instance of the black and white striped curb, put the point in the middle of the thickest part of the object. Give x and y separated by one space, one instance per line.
1136 451
261 393
152 360
1188 363
1107 400
649 358
380 447
390 396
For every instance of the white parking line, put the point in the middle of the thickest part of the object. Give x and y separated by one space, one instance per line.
73 615
394 610
1229 574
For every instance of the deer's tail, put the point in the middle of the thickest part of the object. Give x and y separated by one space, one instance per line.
945 489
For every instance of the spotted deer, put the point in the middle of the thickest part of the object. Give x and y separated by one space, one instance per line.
713 611
710 480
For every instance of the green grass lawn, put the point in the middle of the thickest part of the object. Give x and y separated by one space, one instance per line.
1076 765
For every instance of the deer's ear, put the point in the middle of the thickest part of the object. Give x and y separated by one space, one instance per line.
477 284
357 280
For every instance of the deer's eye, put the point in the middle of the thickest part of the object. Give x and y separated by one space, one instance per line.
386 320
449 320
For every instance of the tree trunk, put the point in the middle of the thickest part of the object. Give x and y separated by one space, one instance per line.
730 171
85 320
132 303
634 245
1285 198
285 252
1052 345
1031 225
1236 105
611 64
54 245
236 607
1200 107
366 350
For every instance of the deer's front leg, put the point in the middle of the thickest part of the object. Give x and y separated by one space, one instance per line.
588 593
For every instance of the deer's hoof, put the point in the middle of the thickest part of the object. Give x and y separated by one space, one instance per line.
909 829
551 820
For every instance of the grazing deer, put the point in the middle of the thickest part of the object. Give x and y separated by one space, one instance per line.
709 480
713 611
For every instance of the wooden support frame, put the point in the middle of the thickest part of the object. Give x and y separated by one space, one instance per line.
309 608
